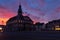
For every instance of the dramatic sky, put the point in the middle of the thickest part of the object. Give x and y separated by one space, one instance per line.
37 10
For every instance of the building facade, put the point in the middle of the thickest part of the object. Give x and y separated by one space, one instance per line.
53 25
39 26
2 28
19 23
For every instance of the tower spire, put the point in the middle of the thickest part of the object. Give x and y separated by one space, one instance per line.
20 10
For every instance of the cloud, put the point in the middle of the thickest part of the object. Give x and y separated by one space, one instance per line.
5 14
57 9
37 10
54 14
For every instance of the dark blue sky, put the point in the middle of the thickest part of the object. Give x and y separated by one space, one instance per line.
37 10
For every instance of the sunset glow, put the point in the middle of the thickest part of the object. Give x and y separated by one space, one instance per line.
3 21
5 14
38 10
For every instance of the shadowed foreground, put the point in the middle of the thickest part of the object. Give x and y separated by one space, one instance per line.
30 36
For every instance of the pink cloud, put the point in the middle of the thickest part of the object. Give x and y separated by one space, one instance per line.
55 14
58 9
35 12
5 14
41 3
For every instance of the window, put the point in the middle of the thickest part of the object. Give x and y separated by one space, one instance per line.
1 29
19 21
57 28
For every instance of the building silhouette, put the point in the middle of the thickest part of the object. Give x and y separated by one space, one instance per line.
2 28
39 26
53 25
19 23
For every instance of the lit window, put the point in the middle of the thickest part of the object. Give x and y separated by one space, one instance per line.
57 28
15 20
19 20
1 29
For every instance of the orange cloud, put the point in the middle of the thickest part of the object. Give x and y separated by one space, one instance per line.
3 21
5 14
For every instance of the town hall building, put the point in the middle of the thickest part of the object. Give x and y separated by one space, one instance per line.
19 23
